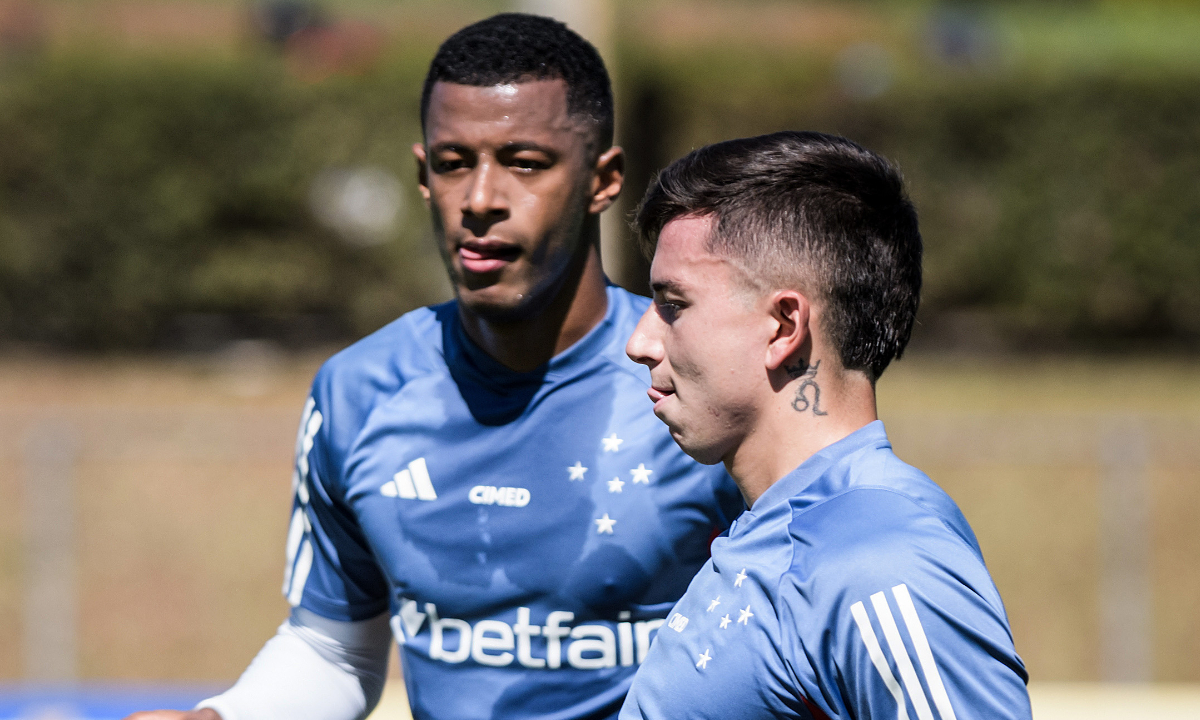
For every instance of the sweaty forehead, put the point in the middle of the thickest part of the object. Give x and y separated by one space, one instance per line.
537 107
684 263
681 256
685 238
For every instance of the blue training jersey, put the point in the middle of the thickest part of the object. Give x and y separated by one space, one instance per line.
527 532
853 588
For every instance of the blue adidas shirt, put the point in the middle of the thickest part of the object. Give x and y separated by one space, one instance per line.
854 588
528 532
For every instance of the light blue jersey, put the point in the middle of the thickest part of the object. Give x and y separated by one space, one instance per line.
528 532
854 588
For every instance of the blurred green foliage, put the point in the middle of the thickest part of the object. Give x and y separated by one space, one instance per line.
137 192
140 191
1058 210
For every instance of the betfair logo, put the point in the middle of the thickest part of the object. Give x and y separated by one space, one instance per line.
412 483
497 643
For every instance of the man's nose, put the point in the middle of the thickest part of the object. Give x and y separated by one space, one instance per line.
645 345
484 199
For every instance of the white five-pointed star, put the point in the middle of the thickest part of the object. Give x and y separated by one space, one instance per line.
641 474
605 525
713 605
725 621
737 581
577 470
745 615
612 443
615 485
702 663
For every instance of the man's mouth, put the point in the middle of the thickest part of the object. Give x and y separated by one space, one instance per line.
658 394
486 256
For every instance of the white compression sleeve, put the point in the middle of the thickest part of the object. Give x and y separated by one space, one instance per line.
313 669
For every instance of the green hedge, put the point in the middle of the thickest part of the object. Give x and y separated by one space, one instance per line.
137 192
1058 210
134 193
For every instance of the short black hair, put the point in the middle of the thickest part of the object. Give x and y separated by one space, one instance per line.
516 47
812 211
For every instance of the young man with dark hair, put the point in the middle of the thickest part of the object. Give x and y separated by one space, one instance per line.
786 276
483 476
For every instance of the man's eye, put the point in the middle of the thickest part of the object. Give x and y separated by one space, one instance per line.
668 311
523 163
443 165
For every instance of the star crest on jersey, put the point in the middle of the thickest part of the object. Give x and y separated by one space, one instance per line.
641 474
612 443
604 525
737 581
703 658
725 621
744 616
615 485
713 605
577 470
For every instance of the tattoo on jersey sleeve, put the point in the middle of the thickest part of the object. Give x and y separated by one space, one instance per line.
808 376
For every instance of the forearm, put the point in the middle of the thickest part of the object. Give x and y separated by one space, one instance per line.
313 669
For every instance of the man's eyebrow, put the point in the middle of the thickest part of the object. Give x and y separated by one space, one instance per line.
520 145
446 146
666 286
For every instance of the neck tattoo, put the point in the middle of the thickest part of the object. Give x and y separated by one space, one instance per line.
808 377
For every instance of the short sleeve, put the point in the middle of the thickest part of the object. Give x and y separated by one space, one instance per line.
895 616
330 568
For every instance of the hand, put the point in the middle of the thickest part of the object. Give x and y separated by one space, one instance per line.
202 714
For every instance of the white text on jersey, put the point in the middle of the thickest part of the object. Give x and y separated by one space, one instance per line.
491 642
506 496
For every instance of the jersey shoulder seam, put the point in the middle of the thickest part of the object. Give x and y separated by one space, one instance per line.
881 488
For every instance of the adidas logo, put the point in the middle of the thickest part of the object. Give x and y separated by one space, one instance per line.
899 654
411 483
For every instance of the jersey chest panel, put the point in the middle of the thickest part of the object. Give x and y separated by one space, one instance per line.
555 510
722 640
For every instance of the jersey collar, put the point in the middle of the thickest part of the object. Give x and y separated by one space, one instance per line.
496 394
801 486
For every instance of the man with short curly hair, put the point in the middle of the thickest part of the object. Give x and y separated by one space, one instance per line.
482 479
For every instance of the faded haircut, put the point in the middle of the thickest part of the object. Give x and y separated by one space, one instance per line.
812 212
516 47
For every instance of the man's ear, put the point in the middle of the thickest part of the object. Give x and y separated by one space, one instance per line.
792 313
422 170
607 179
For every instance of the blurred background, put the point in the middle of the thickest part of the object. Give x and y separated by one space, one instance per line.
200 200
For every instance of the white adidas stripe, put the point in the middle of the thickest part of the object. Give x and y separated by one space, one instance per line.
876 653
899 653
915 631
420 478
404 486
907 673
